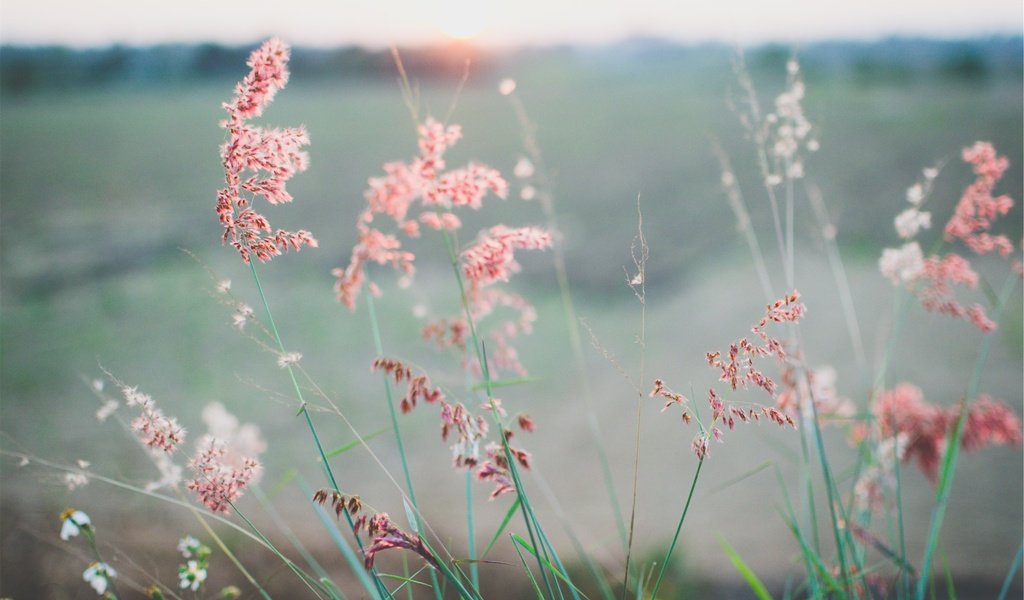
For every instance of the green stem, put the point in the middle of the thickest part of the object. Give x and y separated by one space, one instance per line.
1012 572
482 359
679 527
474 571
309 421
953 445
379 346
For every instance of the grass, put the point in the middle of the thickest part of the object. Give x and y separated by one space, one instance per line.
124 212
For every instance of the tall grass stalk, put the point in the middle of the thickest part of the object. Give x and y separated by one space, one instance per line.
639 286
952 453
572 323
389 399
675 537
309 421
525 507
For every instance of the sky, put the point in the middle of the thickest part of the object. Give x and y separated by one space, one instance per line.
496 23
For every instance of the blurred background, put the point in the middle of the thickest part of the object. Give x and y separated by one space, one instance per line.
108 169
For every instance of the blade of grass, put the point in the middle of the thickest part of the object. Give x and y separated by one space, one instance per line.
533 579
748 575
504 523
812 578
502 383
1012 572
354 443
550 567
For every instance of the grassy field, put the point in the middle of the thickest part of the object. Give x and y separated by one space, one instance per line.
102 189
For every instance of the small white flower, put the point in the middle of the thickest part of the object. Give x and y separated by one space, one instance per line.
813 145
224 286
73 523
524 168
243 314
288 359
98 575
915 194
75 480
773 180
188 546
910 221
507 86
528 193
902 264
97 384
192 575
106 410
931 173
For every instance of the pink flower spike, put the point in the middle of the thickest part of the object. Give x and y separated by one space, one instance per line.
258 161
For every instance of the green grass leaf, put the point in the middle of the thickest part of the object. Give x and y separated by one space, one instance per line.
345 448
526 546
741 567
504 523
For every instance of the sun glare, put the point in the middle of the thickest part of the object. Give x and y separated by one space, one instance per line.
460 19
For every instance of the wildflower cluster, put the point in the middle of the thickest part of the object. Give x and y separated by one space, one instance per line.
424 183
738 368
469 430
154 429
217 483
907 428
933 278
385 535
259 161
423 179
193 573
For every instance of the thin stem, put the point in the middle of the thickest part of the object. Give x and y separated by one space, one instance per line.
546 196
379 346
679 527
482 359
1011 573
953 446
309 422
474 571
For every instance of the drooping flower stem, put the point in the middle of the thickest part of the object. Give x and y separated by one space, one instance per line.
679 527
309 422
952 453
379 347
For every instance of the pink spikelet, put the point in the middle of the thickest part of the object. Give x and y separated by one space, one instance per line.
259 161
385 535
738 369
217 483
495 470
492 258
153 428
395 195
924 429
977 208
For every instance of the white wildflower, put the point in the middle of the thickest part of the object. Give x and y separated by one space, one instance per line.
192 575
507 86
73 523
910 221
98 575
902 264
528 192
524 168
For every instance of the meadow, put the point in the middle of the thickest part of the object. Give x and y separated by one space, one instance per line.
102 189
